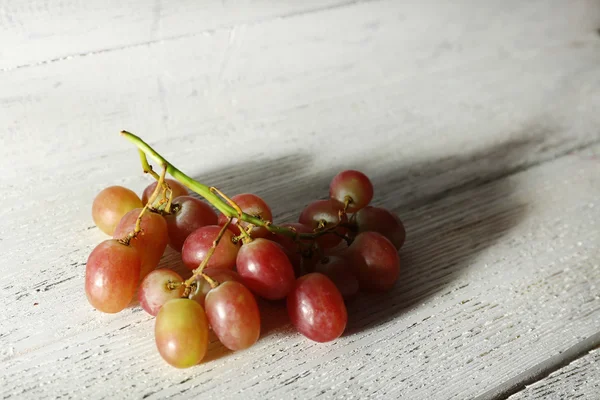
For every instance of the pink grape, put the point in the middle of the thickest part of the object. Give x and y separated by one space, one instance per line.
342 274
111 204
381 266
265 269
316 308
353 184
203 287
112 274
181 333
188 215
233 315
150 242
323 210
155 290
199 242
253 205
380 220
177 190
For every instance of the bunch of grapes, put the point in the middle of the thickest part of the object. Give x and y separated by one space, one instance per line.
338 247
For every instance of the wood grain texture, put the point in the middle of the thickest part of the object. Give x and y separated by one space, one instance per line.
578 380
496 280
478 124
431 86
40 32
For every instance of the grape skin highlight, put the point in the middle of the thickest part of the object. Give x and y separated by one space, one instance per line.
316 308
233 315
111 204
112 273
181 333
265 269
154 291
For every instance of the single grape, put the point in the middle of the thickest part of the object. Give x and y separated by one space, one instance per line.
265 269
150 242
352 184
326 211
199 242
112 274
111 204
203 287
341 272
290 246
177 190
253 205
181 333
188 215
381 266
155 289
380 220
233 315
316 308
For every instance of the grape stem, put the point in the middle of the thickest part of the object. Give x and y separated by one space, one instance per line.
207 193
198 271
138 222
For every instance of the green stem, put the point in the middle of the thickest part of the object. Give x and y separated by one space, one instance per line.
212 198
197 187
205 192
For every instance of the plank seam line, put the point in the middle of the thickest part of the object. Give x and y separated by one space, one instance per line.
542 370
477 182
225 27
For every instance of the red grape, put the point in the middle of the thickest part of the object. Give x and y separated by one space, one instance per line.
111 204
323 210
177 190
253 205
265 269
112 274
381 261
341 272
233 315
380 220
199 242
290 246
181 332
188 215
353 184
155 291
316 308
203 287
150 242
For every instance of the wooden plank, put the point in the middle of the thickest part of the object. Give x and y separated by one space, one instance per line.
578 380
496 279
39 32
209 85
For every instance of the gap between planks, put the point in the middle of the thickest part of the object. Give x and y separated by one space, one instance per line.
542 370
580 379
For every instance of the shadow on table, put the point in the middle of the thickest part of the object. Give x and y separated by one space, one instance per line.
453 209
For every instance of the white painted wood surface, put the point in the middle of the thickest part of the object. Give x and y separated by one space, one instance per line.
578 380
477 121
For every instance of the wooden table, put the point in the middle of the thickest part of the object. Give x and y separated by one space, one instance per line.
479 123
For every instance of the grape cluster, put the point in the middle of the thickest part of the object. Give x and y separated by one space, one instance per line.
340 246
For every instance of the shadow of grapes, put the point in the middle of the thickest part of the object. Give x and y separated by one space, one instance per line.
453 209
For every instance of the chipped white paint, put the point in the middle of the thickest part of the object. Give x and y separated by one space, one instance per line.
478 124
